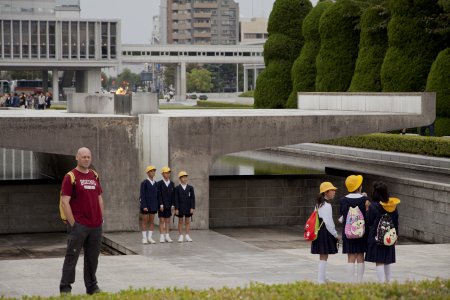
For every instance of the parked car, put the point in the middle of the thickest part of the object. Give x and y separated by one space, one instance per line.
203 97
193 96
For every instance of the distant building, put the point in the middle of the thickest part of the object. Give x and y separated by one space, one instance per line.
56 8
253 31
200 22
156 31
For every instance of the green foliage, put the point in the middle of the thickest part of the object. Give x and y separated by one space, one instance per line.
280 47
435 289
303 71
273 85
433 146
218 104
412 45
128 78
287 17
247 94
442 127
372 48
339 34
199 80
439 82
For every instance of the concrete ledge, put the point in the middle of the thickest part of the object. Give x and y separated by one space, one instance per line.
367 102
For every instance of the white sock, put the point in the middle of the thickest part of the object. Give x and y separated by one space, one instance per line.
150 233
322 271
360 271
380 273
387 272
144 234
167 235
351 272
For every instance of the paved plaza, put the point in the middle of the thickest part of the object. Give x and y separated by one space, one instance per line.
233 257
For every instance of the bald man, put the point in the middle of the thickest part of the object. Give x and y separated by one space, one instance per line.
82 204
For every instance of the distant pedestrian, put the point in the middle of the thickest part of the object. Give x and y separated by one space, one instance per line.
184 205
48 100
82 204
327 237
166 204
148 205
354 238
41 101
383 255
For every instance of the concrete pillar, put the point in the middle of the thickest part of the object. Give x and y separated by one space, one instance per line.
55 85
237 78
245 79
255 75
183 81
45 81
178 82
88 81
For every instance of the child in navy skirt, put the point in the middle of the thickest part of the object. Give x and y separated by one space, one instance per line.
356 247
382 255
327 237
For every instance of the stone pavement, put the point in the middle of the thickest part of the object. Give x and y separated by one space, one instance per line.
235 258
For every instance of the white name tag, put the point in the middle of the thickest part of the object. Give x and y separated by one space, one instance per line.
89 187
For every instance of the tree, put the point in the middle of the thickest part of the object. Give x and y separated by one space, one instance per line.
412 45
199 80
339 35
439 82
280 51
129 78
372 48
303 73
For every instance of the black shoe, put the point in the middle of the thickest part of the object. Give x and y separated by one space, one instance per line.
65 292
94 291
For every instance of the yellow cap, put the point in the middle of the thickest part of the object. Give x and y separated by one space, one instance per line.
353 182
182 173
165 169
326 186
150 168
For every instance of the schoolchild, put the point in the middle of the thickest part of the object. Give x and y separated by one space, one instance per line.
383 256
149 204
327 237
184 205
166 204
354 247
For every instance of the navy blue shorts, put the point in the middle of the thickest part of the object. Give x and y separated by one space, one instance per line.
152 212
185 215
167 213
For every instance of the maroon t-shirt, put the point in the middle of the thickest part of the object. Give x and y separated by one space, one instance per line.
84 203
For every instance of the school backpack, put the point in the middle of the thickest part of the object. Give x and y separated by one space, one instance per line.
386 233
72 181
312 226
354 223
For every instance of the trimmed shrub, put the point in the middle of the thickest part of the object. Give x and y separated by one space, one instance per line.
273 85
218 104
433 146
439 82
372 48
339 35
281 49
303 72
442 127
412 47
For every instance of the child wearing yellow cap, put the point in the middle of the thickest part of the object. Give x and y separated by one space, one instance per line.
355 244
382 255
148 204
184 205
166 194
327 237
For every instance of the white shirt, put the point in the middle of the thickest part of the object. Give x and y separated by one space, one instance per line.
326 213
184 186
151 181
167 182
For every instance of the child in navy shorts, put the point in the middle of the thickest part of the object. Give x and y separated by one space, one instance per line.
184 205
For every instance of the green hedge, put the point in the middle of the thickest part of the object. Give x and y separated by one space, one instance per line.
436 289
339 36
442 126
273 85
372 48
247 94
412 48
439 82
216 104
303 71
433 146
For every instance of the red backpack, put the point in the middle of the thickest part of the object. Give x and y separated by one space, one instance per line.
312 226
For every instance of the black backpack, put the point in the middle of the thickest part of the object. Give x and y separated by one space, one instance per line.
386 232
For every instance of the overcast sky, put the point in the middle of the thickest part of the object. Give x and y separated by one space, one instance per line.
136 15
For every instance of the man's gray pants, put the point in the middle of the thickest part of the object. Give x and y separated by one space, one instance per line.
90 239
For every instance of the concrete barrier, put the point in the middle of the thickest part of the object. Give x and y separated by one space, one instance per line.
139 103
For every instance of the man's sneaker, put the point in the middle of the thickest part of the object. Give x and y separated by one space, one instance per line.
168 239
151 241
162 239
144 241
188 238
180 239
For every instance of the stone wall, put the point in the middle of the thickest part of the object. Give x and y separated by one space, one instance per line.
29 206
240 201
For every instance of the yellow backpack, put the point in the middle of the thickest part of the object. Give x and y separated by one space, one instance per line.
72 181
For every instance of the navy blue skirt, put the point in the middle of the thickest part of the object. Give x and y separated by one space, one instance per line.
354 245
380 253
325 243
